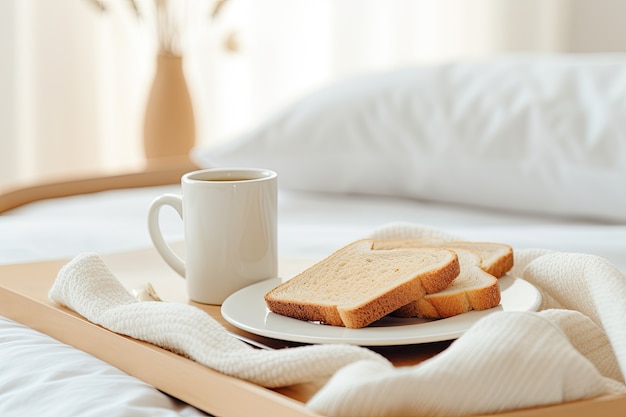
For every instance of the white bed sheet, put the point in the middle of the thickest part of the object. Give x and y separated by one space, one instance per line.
39 376
310 224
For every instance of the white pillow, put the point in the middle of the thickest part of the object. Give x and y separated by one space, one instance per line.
544 134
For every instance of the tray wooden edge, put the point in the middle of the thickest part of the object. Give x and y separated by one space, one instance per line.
157 172
182 378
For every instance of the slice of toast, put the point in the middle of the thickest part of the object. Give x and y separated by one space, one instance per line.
497 258
357 285
473 289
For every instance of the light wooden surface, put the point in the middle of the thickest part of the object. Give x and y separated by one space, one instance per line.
23 297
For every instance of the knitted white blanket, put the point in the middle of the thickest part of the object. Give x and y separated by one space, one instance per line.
575 348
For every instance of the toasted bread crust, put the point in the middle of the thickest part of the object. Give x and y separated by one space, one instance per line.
504 265
449 305
305 311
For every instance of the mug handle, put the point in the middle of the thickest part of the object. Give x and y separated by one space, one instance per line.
172 259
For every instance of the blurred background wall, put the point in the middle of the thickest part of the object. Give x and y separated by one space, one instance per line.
75 74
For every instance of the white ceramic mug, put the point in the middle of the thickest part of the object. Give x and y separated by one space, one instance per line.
229 217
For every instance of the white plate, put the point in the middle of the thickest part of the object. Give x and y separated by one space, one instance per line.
246 310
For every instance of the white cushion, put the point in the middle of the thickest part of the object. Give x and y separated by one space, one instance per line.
543 134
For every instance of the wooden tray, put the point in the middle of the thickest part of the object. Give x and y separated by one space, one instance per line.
23 298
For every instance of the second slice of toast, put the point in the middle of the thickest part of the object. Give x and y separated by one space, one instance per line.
475 288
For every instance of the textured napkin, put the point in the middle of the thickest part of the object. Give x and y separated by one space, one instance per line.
88 287
574 348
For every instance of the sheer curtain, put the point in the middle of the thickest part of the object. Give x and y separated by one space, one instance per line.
74 81
74 85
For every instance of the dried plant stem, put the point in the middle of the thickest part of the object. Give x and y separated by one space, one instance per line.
217 8
174 21
98 4
135 8
169 20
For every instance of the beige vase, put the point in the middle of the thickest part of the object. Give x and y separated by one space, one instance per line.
169 126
